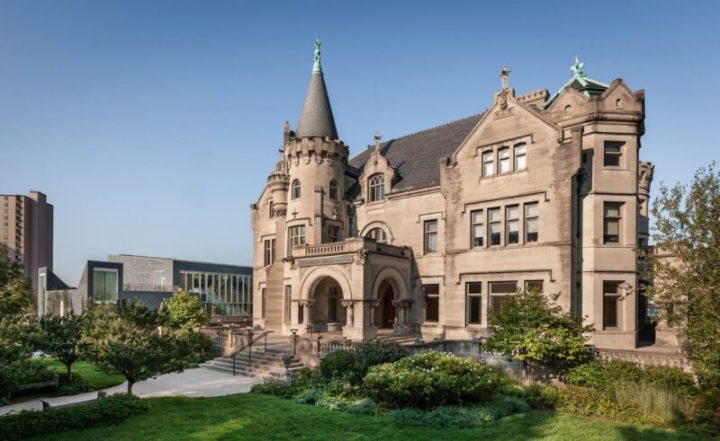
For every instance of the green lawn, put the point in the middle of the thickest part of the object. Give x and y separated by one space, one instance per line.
84 372
262 417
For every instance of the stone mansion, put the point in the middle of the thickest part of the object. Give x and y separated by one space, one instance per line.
428 233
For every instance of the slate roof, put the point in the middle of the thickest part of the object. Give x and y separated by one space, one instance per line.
316 118
415 157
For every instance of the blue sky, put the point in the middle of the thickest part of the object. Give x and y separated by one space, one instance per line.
152 125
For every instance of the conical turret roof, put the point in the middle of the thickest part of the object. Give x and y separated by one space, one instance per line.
316 118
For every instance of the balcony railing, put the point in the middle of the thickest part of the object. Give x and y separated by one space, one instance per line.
324 249
351 245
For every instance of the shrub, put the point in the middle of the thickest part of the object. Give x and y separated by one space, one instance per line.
274 387
332 403
364 406
541 396
457 416
338 364
431 379
110 410
308 396
587 401
375 352
704 413
502 405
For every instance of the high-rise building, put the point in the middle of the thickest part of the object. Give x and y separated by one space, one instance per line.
26 229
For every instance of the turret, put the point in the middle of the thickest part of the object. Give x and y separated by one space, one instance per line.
316 161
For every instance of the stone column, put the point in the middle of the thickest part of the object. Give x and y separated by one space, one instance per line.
348 305
372 304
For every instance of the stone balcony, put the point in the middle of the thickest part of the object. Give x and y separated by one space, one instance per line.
361 246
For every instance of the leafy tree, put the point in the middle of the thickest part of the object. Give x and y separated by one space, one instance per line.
15 290
125 339
686 268
184 311
531 327
15 353
60 336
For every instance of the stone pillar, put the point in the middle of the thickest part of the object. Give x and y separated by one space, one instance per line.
349 310
372 305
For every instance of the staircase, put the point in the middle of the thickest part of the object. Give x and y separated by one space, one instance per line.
264 362
390 335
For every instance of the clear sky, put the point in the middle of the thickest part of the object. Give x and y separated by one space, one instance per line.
152 125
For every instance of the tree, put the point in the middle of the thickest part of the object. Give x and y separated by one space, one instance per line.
184 311
15 353
60 336
532 328
15 290
686 268
125 339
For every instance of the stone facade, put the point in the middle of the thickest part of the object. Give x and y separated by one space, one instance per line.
426 233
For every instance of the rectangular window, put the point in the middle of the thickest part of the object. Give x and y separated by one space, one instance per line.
105 285
512 224
430 229
534 286
498 293
432 302
504 160
531 222
474 302
612 153
612 218
611 298
488 164
476 228
520 157
296 235
333 233
269 254
494 226
159 280
288 302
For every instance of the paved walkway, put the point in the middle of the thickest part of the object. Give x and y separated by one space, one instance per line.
199 382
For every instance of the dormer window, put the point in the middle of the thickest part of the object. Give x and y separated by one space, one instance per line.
504 160
376 187
295 191
333 193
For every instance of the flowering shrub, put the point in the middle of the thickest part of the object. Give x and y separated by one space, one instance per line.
431 379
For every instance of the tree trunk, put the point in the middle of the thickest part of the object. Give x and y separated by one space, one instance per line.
69 372
130 386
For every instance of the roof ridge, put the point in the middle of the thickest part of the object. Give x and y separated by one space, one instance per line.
434 127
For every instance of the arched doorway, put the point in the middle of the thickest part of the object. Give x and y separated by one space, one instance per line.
327 312
385 312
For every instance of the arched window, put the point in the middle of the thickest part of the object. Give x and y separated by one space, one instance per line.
333 190
295 192
378 234
376 187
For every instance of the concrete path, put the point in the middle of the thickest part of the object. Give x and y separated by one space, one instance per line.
197 382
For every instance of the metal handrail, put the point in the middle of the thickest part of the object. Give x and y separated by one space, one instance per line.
249 346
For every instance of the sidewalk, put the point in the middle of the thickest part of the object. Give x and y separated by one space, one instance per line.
198 382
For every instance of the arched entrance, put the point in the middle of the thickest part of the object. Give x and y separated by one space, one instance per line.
385 311
327 312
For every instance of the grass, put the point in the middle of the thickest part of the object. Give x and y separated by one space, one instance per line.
83 372
261 417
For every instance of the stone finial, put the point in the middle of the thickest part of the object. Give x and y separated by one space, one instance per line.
505 77
577 67
286 131
377 137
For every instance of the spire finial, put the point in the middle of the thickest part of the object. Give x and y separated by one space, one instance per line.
377 137
505 76
316 65
576 68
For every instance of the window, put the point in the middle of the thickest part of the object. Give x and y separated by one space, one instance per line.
269 254
378 234
288 302
498 293
333 233
476 228
494 226
105 285
332 304
430 242
612 153
376 187
159 280
520 157
504 160
534 286
296 235
295 194
432 302
611 297
488 165
333 190
474 302
531 222
612 218
512 224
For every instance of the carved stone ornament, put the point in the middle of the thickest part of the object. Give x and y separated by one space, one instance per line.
362 254
347 303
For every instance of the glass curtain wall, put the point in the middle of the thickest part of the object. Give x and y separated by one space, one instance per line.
221 293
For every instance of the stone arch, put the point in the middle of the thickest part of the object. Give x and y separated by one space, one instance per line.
378 224
390 295
314 277
396 279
